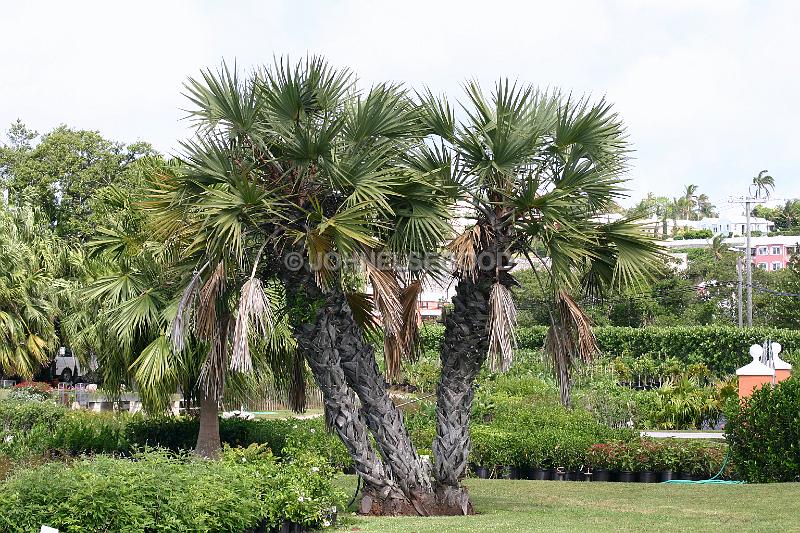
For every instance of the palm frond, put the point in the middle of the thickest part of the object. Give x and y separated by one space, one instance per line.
502 325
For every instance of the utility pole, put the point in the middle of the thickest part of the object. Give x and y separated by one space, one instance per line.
748 202
749 266
739 298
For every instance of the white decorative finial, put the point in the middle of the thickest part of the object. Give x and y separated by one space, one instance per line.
756 351
776 348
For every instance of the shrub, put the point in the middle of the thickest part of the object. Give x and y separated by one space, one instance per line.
721 348
163 492
764 433
31 391
697 457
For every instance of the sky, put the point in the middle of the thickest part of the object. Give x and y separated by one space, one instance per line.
708 89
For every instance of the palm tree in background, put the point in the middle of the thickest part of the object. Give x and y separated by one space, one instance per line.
689 200
763 183
31 258
705 209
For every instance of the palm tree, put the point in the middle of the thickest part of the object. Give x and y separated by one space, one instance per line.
689 200
718 246
535 169
763 183
705 208
294 161
29 282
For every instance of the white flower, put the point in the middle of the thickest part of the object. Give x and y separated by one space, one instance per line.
8 438
315 469
326 523
312 430
295 426
301 499
244 460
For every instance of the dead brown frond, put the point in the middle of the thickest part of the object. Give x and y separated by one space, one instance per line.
404 343
569 339
207 309
386 295
254 312
464 249
212 373
502 323
185 314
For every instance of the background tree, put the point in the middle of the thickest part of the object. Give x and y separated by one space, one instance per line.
31 261
60 172
764 184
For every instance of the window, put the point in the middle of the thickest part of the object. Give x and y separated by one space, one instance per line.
776 265
762 266
776 250
762 250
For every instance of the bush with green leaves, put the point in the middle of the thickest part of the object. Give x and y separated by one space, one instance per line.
697 457
764 433
723 349
161 491
44 427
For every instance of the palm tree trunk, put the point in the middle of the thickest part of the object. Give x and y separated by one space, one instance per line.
383 418
208 441
463 352
317 343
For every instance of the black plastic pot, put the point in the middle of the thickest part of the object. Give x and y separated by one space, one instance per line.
573 475
627 477
665 475
516 472
540 474
648 477
684 475
482 472
601 475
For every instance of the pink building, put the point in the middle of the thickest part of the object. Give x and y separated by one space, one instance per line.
772 255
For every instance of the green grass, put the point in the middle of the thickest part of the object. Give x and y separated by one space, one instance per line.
286 413
520 506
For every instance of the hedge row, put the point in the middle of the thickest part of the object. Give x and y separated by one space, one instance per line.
722 349
247 491
45 428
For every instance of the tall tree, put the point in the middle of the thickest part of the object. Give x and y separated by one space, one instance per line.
689 200
31 258
535 168
296 161
60 171
764 184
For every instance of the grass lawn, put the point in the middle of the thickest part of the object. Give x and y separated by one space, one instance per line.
519 506
286 413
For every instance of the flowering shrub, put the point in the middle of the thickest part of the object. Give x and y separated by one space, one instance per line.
31 391
700 458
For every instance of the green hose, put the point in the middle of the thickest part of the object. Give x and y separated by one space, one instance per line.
711 481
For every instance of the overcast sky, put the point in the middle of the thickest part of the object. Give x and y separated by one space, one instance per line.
708 90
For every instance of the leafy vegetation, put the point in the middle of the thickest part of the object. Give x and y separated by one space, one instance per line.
764 432
247 489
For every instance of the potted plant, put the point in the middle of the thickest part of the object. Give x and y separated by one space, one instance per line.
647 454
668 461
599 458
627 463
537 461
